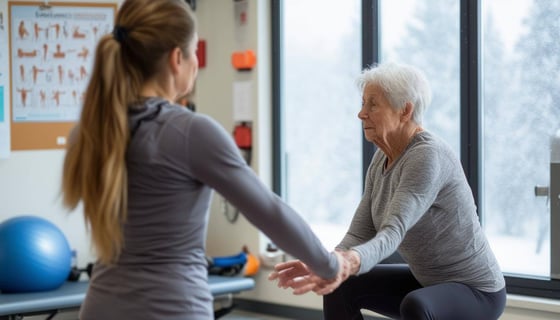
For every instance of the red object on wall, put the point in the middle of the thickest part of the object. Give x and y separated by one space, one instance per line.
201 53
242 136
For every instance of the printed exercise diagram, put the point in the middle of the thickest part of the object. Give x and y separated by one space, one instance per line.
51 58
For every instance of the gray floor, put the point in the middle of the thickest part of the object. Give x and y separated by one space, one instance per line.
244 315
234 315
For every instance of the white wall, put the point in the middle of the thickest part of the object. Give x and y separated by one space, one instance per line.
30 180
213 96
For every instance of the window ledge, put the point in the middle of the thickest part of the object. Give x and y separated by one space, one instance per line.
533 303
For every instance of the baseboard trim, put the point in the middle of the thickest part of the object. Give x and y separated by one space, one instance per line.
285 311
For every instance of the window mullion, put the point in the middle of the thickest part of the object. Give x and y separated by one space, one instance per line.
470 96
370 55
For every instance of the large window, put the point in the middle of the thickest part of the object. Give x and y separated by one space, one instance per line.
425 33
494 66
322 155
521 110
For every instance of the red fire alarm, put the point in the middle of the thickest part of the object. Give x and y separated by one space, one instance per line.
242 136
201 53
244 60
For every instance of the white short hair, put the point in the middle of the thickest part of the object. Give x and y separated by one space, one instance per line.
401 83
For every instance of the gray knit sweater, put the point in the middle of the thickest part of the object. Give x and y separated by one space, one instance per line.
174 160
423 207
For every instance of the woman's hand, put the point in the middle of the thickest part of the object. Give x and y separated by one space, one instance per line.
349 263
293 274
296 275
323 287
353 259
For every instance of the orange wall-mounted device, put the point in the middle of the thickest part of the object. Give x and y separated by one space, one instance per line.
244 60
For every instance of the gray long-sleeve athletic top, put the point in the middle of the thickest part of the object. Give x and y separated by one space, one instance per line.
174 160
423 207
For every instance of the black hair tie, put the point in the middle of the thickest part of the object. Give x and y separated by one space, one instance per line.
120 33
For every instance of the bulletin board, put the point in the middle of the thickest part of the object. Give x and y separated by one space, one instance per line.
52 48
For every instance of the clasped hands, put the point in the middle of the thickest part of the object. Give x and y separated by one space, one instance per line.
297 276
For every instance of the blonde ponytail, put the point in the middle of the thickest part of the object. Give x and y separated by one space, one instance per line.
95 170
95 167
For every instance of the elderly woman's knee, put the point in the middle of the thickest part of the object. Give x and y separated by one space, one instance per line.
416 306
339 294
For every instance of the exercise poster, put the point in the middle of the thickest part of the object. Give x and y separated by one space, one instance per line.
52 50
4 116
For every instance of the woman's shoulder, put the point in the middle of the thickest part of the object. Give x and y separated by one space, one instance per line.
427 141
433 148
172 117
180 115
429 147
195 125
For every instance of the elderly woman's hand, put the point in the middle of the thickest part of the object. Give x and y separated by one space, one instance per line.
323 287
349 262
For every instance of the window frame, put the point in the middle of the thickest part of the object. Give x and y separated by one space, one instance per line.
470 113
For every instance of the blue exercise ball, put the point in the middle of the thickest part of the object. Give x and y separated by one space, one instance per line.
34 255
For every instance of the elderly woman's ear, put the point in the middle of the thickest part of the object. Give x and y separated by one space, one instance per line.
407 111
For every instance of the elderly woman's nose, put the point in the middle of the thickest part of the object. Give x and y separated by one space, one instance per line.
362 114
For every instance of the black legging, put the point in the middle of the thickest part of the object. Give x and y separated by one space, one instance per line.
392 290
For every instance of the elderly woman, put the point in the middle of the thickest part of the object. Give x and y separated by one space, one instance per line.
416 201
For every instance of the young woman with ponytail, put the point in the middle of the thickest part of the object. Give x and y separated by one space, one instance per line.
144 169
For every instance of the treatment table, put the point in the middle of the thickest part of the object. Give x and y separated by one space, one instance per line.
70 295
